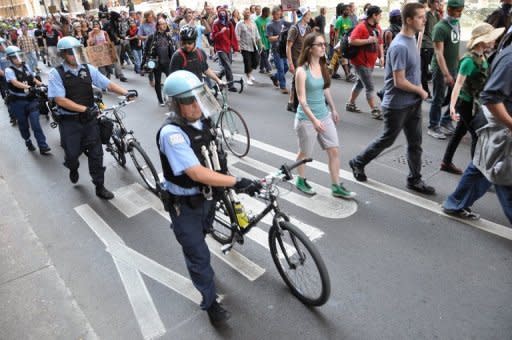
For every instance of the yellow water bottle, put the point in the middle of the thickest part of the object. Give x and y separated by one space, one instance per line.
241 215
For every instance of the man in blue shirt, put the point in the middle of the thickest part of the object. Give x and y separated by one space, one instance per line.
70 85
401 105
187 146
23 102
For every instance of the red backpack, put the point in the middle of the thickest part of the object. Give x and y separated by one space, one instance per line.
184 56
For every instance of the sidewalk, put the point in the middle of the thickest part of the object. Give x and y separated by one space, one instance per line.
34 301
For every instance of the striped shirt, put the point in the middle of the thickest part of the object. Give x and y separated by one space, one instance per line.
27 44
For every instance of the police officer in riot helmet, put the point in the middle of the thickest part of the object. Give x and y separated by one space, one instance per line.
22 99
70 85
194 167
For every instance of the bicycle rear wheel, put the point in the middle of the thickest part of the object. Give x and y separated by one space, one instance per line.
116 150
300 265
144 166
225 219
235 132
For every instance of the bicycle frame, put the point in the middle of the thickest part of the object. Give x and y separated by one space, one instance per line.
124 132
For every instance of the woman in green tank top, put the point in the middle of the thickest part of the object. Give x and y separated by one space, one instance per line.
313 120
471 78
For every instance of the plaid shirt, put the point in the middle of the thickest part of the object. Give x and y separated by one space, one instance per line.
27 44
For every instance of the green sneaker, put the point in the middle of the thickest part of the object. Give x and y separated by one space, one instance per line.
303 185
338 190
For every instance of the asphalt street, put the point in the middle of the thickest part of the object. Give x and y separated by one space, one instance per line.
399 267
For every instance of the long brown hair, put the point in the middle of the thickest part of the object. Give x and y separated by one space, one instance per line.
305 56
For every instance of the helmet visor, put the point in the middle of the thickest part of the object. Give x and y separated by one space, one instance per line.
204 97
17 56
79 54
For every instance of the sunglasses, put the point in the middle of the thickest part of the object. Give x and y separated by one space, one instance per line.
186 100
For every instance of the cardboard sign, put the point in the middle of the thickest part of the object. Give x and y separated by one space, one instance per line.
290 5
101 55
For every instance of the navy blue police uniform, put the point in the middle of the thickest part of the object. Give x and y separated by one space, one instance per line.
24 105
180 144
79 131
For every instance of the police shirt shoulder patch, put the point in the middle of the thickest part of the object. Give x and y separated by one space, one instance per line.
176 138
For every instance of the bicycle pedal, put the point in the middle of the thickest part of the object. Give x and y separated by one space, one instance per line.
226 248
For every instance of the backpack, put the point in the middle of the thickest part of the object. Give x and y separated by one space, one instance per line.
348 51
281 43
184 56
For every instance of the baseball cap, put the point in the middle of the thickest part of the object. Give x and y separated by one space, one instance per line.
455 3
302 11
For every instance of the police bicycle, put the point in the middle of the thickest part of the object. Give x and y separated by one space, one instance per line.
122 141
230 122
297 260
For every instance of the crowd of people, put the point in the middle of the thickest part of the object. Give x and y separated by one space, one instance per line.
420 46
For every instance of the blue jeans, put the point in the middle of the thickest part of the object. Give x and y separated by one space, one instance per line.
281 69
27 114
190 226
137 58
31 60
474 185
264 63
438 96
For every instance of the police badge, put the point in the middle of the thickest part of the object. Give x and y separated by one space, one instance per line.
82 74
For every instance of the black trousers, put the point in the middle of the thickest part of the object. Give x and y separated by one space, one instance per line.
78 138
426 57
251 60
157 71
465 110
408 119
225 65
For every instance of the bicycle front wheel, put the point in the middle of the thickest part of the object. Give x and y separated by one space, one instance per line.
300 265
144 166
235 132
224 221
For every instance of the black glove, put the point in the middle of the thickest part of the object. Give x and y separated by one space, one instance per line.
132 94
247 186
90 113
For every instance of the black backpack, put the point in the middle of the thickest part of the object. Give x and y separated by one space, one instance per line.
281 43
348 51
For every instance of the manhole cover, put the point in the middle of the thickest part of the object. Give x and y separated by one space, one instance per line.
397 159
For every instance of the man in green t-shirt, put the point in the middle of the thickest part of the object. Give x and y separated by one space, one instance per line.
446 39
261 22
343 25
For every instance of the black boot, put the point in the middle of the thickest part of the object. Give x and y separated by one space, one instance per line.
73 176
30 146
217 314
103 193
45 151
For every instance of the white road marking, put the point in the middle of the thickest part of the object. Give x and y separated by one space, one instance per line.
128 200
234 259
322 204
145 311
156 271
421 202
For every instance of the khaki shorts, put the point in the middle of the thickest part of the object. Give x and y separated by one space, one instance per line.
307 134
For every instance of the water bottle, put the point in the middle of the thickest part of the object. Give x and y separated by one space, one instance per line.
241 215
